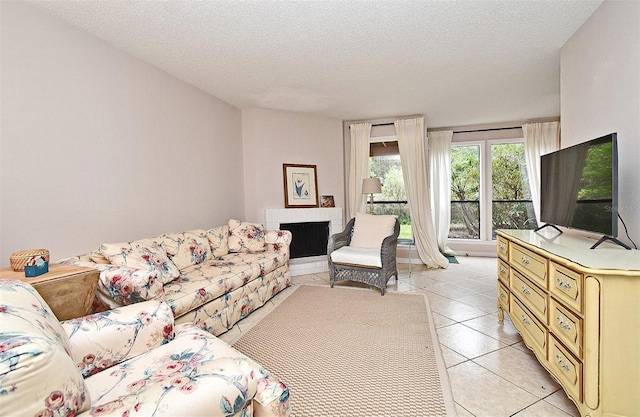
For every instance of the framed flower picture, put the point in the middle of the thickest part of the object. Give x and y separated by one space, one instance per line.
300 186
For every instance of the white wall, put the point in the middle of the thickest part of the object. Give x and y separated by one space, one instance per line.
272 138
97 146
600 94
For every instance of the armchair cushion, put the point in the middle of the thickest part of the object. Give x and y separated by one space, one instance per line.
38 376
105 339
357 256
370 230
144 254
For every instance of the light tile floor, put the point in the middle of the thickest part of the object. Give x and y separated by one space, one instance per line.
491 372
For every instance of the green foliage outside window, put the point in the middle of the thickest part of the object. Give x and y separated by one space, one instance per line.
510 190
389 170
511 207
465 192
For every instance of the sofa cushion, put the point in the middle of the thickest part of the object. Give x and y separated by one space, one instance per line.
187 248
207 281
144 254
246 237
218 237
211 279
370 230
38 375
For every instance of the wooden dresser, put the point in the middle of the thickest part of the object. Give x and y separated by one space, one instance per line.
578 310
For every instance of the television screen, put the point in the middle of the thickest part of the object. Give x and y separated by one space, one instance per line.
578 186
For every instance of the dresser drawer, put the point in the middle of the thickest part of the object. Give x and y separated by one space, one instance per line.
503 296
531 296
533 332
566 368
566 326
503 272
502 246
566 285
530 264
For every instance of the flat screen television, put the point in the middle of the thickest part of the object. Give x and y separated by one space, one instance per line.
579 187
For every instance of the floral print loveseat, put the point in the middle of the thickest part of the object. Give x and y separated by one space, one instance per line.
130 361
213 278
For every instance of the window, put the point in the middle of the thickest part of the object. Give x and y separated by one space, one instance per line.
465 192
511 205
384 163
489 189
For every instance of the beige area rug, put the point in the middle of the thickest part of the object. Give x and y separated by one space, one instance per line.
352 352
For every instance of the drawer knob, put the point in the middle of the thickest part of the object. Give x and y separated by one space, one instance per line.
503 247
563 324
525 260
525 290
503 295
525 320
562 363
503 270
562 284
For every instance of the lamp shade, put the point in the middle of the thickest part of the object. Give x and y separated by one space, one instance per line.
371 186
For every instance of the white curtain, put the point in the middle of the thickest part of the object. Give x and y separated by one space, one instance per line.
410 133
539 139
440 183
358 167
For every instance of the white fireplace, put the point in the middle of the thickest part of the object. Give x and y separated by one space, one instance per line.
333 215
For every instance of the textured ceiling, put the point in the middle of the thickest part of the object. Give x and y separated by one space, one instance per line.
459 62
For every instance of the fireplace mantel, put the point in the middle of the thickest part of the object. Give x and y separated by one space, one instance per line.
309 265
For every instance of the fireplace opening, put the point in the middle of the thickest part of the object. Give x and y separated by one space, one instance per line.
308 239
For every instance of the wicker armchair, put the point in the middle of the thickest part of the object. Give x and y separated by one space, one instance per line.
377 276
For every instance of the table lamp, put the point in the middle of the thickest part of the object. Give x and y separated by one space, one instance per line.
371 186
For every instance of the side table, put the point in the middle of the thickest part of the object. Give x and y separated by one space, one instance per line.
69 290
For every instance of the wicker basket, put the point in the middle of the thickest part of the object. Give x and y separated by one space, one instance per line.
19 259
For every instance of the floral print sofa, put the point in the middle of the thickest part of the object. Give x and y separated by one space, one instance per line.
213 278
130 361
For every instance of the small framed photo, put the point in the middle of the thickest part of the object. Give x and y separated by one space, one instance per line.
300 186
327 201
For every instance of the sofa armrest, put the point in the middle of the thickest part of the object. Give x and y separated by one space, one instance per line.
128 285
124 285
102 340
278 241
272 398
282 237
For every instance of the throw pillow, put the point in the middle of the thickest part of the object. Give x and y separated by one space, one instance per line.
245 237
218 237
145 254
187 248
97 257
370 230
